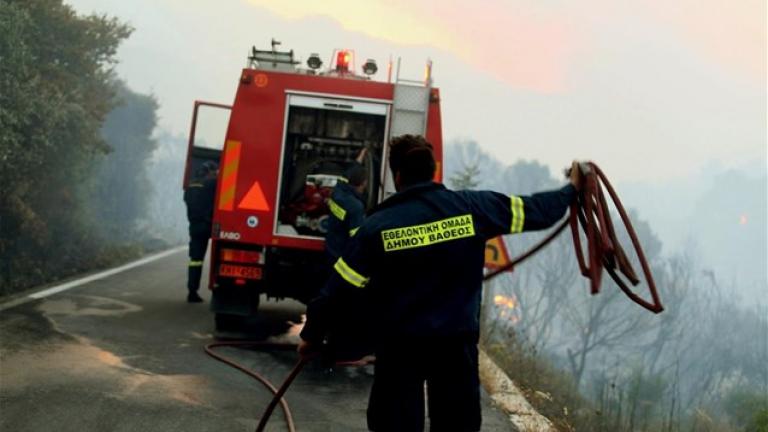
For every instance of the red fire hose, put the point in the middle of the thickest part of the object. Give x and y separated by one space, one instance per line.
603 247
604 251
278 393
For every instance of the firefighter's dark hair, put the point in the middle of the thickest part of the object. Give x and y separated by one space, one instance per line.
412 157
356 174
206 168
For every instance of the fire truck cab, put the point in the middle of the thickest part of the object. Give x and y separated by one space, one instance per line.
292 133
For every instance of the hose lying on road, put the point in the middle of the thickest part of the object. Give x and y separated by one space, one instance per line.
277 393
603 248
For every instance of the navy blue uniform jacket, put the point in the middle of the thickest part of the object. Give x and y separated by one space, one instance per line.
347 211
420 255
199 197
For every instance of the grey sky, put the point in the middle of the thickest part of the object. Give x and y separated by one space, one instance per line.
642 99
664 96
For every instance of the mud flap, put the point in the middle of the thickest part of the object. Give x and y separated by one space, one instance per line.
243 301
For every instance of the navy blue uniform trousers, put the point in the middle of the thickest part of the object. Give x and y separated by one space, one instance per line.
450 370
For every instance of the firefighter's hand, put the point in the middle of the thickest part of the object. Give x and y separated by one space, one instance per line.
307 349
575 175
361 155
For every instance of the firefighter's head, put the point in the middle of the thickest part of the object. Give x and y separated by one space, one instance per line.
207 169
411 160
357 177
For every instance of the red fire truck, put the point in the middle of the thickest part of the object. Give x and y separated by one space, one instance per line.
292 133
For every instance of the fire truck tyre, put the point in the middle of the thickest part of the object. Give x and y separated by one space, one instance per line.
227 322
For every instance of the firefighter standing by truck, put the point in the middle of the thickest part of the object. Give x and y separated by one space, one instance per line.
420 255
199 197
347 213
347 209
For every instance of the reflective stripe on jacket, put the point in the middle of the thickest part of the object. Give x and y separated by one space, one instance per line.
347 212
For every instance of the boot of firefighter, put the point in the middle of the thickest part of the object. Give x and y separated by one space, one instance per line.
193 283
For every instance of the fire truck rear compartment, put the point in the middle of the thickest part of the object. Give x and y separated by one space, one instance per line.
320 146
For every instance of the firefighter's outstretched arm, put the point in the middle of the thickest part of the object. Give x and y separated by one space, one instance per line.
499 214
542 210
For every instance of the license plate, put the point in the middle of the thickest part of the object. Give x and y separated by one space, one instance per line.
240 271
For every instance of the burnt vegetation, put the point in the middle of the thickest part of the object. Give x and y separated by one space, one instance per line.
601 363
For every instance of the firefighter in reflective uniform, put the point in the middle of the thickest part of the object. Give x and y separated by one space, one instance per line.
420 255
199 197
347 209
347 214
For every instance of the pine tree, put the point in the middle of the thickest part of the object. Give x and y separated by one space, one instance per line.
466 178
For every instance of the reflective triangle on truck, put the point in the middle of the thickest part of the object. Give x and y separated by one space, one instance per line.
254 199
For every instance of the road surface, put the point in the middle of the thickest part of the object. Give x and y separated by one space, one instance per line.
125 353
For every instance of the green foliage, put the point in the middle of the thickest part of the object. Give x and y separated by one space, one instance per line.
56 88
747 410
166 216
759 421
119 197
467 178
56 84
527 177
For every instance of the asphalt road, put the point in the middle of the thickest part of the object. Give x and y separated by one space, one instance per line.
125 353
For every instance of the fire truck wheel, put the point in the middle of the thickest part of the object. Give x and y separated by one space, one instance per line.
227 322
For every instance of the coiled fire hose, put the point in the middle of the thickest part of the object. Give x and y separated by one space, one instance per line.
604 251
